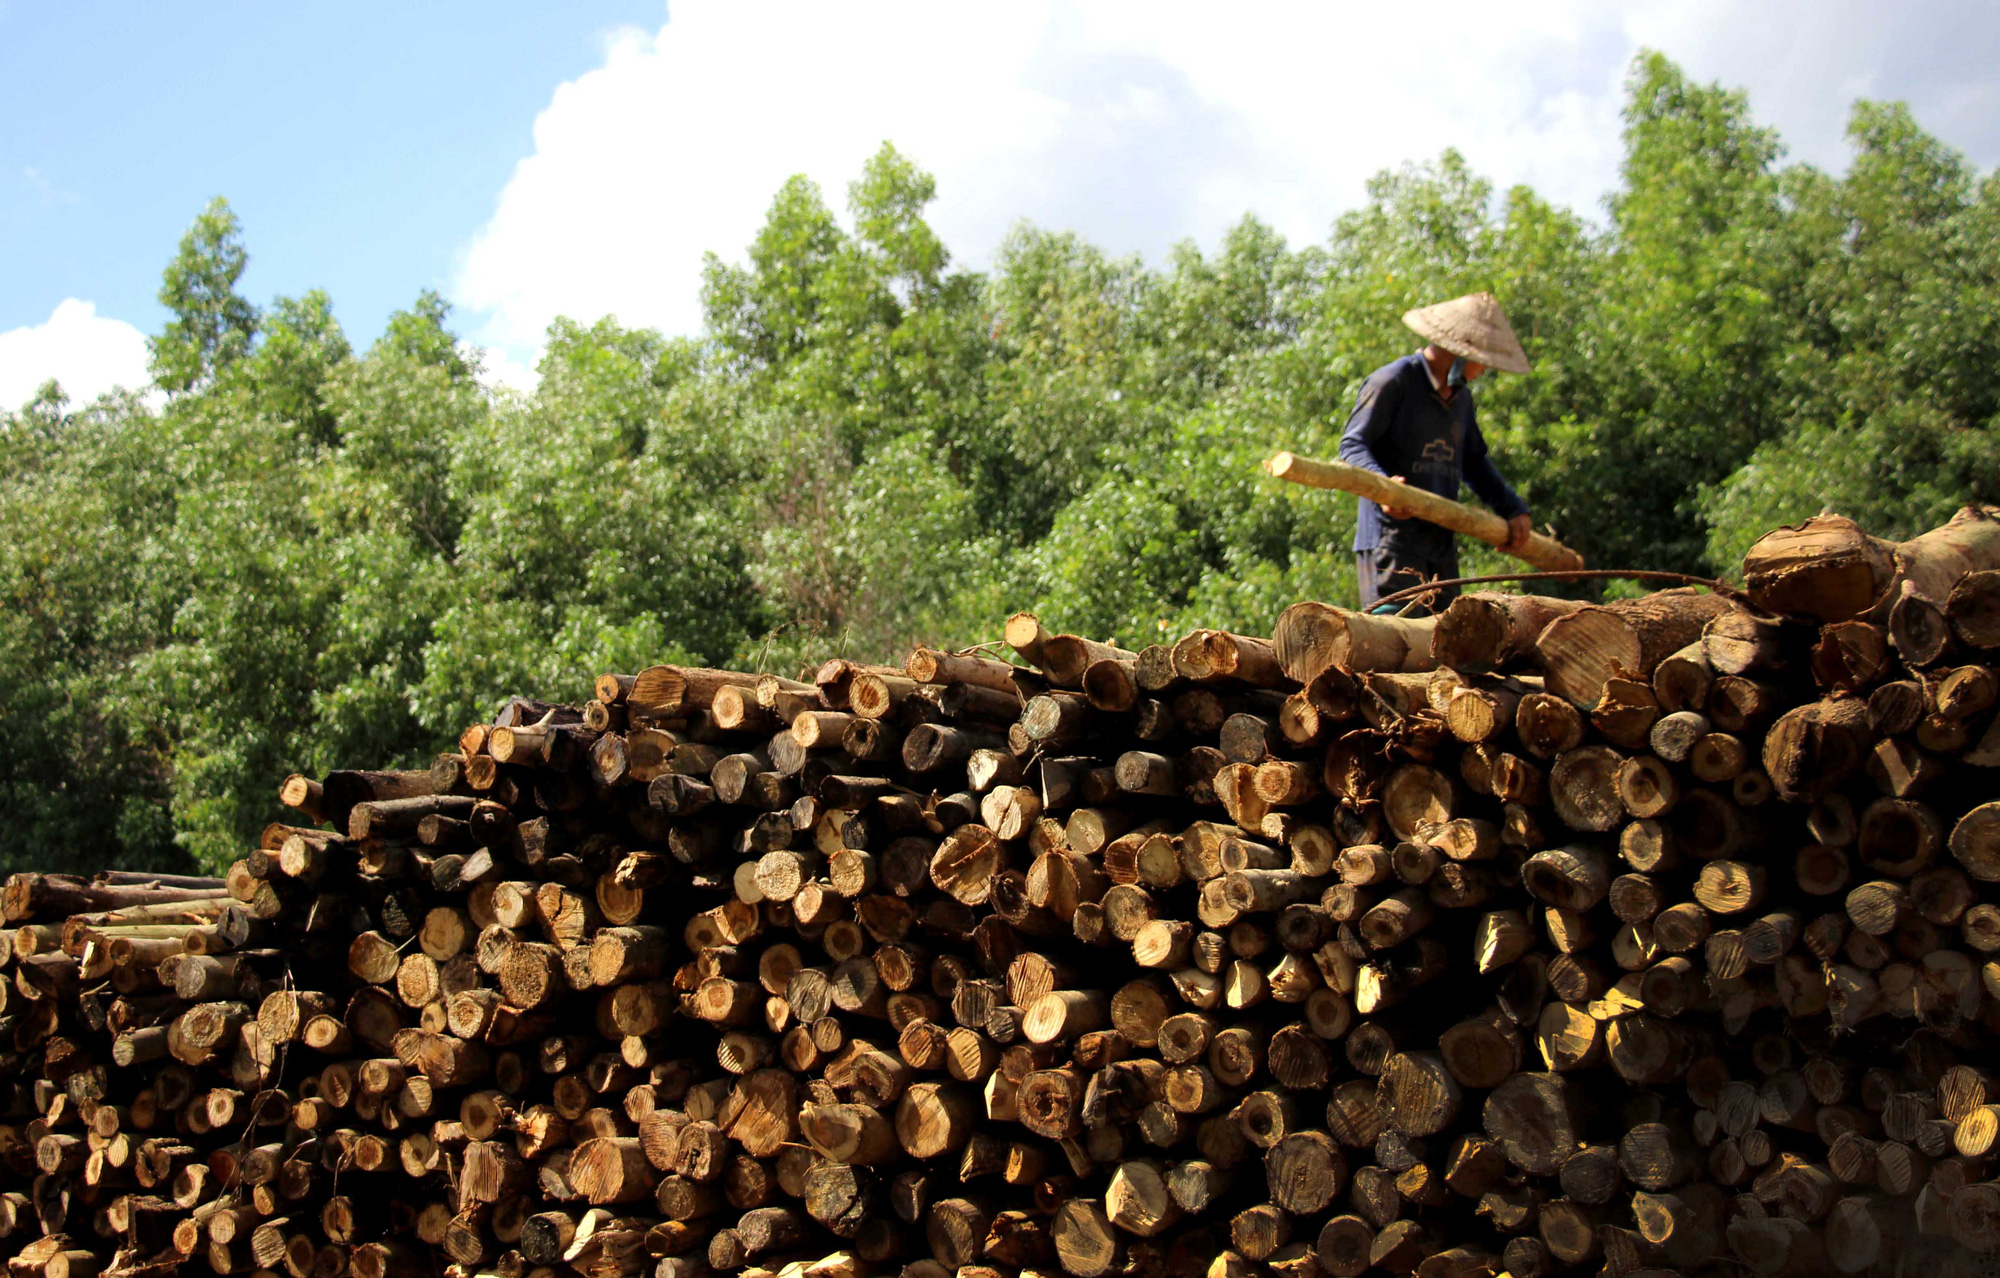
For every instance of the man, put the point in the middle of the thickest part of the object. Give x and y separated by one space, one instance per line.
1414 421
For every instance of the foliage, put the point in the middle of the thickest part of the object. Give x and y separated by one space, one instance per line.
1900 427
309 557
213 326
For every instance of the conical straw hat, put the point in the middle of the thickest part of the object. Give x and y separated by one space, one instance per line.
1472 327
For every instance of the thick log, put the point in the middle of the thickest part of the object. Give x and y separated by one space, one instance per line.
29 896
1111 685
1809 751
1064 658
1973 609
1975 842
1738 641
1417 1093
1087 1244
1583 788
1483 713
1311 638
1547 724
1851 656
1487 630
1827 568
1138 1200
1580 651
1928 568
671 691
1536 1120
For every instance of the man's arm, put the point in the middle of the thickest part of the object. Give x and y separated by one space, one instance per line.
1485 479
1368 425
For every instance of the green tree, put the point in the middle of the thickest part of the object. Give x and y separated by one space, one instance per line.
299 345
1698 320
213 326
86 498
598 533
1900 427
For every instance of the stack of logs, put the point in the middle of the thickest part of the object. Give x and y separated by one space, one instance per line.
1650 936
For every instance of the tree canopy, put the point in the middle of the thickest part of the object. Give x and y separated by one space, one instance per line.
311 556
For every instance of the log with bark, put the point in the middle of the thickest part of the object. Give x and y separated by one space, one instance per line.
1540 549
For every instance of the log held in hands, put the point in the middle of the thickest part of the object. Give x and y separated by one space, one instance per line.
1543 552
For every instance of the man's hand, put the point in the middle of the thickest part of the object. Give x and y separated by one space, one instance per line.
1397 512
1519 528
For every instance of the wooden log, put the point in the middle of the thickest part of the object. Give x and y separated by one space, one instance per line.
1064 658
1206 655
1809 751
1138 1200
1826 568
1928 568
935 1118
1111 685
1975 842
1830 569
1548 725
340 791
928 665
1573 878
1682 679
1484 631
1311 638
1851 656
304 794
1738 641
1417 1093
1625 714
1536 1120
1086 1242
29 896
1540 550
671 691
1973 609
1578 652
1305 1172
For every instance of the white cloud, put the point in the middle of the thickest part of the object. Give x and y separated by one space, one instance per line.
1134 124
87 352
498 372
678 142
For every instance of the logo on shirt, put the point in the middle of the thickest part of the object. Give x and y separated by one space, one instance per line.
1437 458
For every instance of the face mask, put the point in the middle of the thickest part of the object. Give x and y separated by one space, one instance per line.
1456 377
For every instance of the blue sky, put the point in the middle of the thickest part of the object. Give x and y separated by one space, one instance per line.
530 161
360 143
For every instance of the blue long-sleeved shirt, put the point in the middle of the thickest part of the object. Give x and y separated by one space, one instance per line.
1402 426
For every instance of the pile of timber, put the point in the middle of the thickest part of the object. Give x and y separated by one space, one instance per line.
1642 938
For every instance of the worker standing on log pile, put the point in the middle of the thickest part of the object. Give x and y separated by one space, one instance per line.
1415 422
